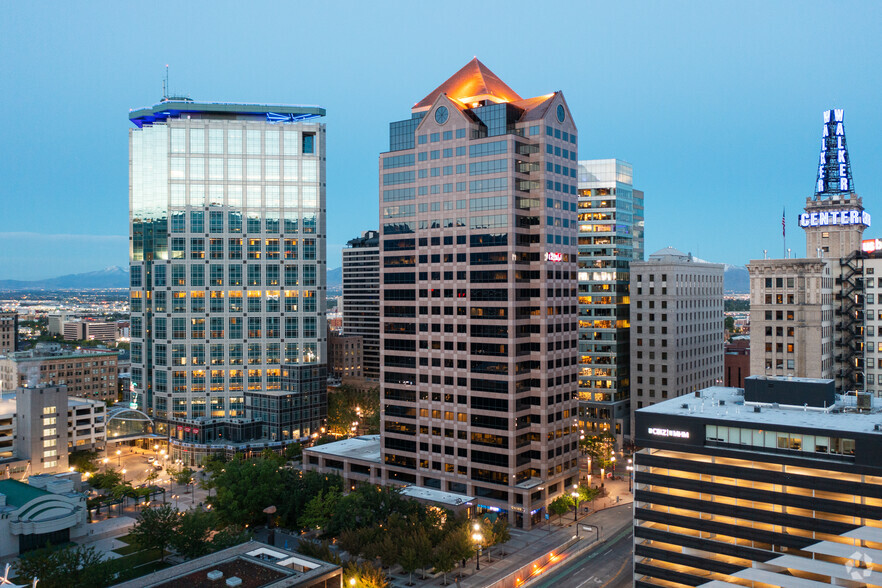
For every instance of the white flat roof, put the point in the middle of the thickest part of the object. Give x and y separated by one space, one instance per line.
738 412
432 495
364 448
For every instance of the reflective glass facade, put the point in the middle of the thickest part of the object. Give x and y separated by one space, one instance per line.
610 237
228 274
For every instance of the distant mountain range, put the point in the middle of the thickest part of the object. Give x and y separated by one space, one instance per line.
109 277
735 280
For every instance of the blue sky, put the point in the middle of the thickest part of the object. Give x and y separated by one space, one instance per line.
717 105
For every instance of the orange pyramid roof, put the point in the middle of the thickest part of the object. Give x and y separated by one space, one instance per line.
472 81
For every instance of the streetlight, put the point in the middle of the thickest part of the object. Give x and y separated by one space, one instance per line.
124 475
630 474
575 495
613 459
477 538
352 581
118 456
105 464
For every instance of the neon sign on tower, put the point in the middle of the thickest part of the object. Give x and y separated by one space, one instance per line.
834 169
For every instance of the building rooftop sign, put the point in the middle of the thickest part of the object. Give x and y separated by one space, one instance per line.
834 168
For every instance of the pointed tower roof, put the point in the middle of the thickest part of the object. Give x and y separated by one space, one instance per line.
834 167
472 83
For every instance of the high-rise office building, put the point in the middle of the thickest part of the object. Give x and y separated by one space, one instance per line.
778 484
478 244
610 238
361 298
676 327
8 331
228 270
806 315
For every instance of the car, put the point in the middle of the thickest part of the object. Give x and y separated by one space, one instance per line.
157 467
151 459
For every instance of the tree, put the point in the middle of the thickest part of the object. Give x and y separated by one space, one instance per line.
459 542
120 492
107 480
388 550
183 476
245 487
156 528
83 461
191 536
350 541
62 568
151 476
560 506
366 575
599 448
293 451
501 533
443 559
321 509
229 536
729 324
348 404
410 561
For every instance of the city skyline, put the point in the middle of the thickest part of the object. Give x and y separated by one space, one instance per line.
702 100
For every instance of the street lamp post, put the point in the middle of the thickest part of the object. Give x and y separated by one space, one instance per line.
118 457
575 495
105 460
630 475
613 459
477 538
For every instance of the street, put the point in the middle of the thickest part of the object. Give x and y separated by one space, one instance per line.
135 463
606 566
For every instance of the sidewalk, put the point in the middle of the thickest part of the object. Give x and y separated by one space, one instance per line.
551 536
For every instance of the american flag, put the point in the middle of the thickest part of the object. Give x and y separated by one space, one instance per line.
784 222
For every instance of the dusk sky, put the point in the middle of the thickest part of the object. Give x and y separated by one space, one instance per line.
717 106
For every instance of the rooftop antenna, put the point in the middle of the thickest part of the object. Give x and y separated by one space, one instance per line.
165 88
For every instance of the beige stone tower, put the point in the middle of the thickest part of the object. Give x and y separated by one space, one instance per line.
834 219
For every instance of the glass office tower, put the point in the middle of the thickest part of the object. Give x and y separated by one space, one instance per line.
478 315
610 237
227 254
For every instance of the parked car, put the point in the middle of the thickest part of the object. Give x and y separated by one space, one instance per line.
157 467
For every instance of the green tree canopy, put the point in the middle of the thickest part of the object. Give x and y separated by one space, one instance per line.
106 480
348 404
190 539
321 509
63 568
156 528
560 505
83 461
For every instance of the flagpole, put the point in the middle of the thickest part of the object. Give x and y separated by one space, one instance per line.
784 230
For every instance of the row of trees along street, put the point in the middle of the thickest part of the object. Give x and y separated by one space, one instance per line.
368 529
370 524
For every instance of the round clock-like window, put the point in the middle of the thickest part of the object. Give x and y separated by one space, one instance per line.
561 113
441 115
